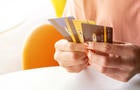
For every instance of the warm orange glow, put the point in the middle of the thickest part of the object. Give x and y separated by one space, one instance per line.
39 48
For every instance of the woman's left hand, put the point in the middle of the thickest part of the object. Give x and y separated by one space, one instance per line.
118 61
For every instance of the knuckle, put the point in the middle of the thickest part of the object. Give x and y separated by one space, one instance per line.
56 56
56 45
60 44
126 79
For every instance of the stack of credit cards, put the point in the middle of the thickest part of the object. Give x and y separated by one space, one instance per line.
80 31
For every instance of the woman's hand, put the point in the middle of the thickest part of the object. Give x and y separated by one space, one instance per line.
71 56
118 61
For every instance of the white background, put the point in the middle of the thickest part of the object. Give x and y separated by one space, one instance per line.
30 14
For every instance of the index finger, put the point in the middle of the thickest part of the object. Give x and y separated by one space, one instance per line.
64 45
118 49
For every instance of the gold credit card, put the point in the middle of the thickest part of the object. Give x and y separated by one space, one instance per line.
80 31
97 33
71 28
78 27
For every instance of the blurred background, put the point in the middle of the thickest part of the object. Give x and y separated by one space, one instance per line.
18 18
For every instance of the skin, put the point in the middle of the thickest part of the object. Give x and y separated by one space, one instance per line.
119 61
72 56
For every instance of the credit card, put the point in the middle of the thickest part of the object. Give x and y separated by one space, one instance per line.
60 25
97 33
71 27
78 27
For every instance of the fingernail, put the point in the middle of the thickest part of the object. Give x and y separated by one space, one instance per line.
90 45
90 53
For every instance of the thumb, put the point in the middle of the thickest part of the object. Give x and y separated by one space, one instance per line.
90 55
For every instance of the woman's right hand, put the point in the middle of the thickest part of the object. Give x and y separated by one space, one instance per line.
71 56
